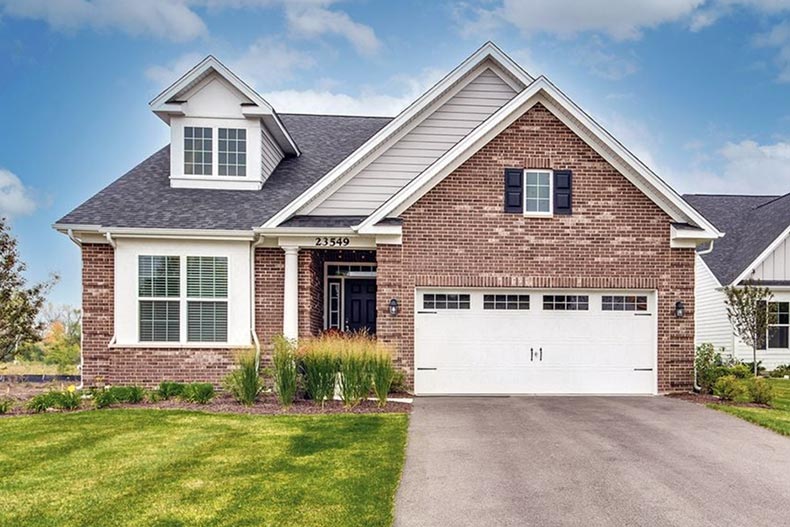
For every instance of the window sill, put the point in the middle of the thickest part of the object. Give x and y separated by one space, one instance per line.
180 345
216 182
538 214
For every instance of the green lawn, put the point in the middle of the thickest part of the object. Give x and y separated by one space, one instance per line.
177 468
776 418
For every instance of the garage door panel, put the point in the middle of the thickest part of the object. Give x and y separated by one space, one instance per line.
487 351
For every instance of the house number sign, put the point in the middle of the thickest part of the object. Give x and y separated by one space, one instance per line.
332 242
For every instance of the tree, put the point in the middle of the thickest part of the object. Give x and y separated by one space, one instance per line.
61 342
749 313
19 304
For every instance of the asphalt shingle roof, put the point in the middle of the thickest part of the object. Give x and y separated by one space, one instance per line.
143 198
750 224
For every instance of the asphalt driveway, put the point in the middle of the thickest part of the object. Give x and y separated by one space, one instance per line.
589 461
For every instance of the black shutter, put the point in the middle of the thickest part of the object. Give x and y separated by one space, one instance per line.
562 192
514 190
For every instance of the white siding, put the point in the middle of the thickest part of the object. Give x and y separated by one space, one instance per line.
776 266
712 325
419 148
271 154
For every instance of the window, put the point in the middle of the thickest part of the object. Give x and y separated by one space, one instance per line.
445 301
537 195
566 302
159 279
197 151
232 152
207 293
780 326
505 301
624 303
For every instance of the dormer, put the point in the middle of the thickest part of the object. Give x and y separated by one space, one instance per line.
223 135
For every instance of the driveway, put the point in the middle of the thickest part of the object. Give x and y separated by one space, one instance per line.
589 461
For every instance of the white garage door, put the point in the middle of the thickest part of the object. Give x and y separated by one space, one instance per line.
527 341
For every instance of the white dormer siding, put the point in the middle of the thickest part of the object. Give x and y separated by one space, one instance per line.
450 122
776 265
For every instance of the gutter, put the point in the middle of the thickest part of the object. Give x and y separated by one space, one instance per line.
708 250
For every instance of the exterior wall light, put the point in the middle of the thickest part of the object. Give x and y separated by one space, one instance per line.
680 309
394 307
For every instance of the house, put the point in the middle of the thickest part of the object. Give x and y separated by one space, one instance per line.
755 248
494 235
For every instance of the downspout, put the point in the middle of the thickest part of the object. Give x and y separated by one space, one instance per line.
78 242
697 387
708 250
254 245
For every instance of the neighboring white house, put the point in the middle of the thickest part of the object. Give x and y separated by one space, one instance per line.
755 247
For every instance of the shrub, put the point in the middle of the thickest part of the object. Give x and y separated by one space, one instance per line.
245 383
760 390
284 367
708 366
398 384
70 399
127 394
320 363
382 372
760 367
780 371
44 401
729 388
104 397
198 392
355 377
5 405
169 389
741 371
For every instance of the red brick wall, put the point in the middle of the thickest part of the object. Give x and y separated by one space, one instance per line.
143 366
269 291
458 235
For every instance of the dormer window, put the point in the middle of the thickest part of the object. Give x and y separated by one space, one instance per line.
197 151
232 152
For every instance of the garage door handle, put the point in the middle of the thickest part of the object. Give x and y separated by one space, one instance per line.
426 369
531 354
426 312
541 354
643 369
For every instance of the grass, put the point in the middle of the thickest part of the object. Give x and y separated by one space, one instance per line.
33 368
776 418
177 468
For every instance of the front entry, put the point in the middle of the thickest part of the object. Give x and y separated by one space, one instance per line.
360 305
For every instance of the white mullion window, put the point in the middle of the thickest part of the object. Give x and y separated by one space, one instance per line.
207 299
198 151
158 298
538 191
779 328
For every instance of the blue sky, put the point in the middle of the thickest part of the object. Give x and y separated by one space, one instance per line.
700 90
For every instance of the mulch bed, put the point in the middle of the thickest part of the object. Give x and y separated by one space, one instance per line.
700 398
223 403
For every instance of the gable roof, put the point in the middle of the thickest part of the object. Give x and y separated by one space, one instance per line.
168 102
544 92
488 52
143 197
753 224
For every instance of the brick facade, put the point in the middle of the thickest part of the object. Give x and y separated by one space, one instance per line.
458 235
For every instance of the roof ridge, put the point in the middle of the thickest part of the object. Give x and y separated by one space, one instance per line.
723 195
777 198
309 114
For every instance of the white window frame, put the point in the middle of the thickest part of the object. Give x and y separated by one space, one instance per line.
215 124
550 172
776 324
183 300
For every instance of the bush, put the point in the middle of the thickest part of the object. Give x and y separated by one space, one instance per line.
127 394
43 402
320 361
104 397
708 366
355 377
5 405
398 384
169 389
382 372
729 388
284 367
741 371
781 371
750 366
760 390
245 383
198 392
70 399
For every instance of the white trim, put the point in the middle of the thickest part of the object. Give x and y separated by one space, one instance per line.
291 292
180 234
487 51
163 108
535 213
763 255
506 116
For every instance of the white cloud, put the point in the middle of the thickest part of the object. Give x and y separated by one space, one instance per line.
170 19
753 167
308 21
264 64
15 198
778 37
